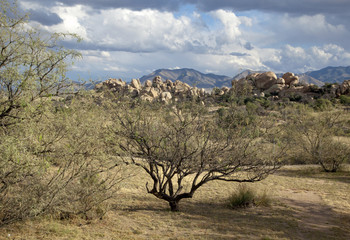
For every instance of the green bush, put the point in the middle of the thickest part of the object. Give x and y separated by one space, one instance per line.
345 100
322 104
244 196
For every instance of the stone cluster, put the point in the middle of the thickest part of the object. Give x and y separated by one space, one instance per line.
287 86
156 90
259 84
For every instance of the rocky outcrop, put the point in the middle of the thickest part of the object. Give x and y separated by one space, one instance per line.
257 84
156 90
344 88
288 86
265 80
290 79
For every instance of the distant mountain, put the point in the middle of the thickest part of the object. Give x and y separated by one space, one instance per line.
331 74
191 77
304 78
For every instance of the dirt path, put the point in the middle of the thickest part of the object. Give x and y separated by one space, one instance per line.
315 219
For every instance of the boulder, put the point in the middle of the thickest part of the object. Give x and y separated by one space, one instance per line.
290 79
202 92
169 83
157 82
146 98
281 81
148 83
344 88
252 77
135 83
115 83
134 92
165 97
180 87
265 80
154 93
225 89
276 88
146 89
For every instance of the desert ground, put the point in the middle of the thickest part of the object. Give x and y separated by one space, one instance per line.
306 204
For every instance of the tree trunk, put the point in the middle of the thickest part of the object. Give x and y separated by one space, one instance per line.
174 206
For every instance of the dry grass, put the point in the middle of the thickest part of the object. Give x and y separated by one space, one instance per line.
308 204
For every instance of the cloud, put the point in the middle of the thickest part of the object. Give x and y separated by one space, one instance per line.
248 46
230 30
45 18
313 29
315 57
112 4
309 7
150 30
129 38
238 54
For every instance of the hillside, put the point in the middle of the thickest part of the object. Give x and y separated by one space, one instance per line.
210 80
244 74
191 77
304 78
331 74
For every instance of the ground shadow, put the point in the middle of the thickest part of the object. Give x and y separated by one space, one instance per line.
316 173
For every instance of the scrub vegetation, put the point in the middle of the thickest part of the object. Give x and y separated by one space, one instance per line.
77 164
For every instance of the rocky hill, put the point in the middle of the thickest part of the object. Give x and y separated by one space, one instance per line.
255 84
331 74
195 78
191 77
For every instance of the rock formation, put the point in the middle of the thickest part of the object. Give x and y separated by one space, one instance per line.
258 84
344 88
156 90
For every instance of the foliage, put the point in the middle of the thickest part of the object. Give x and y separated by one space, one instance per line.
181 149
58 164
245 196
53 151
241 89
32 65
322 104
345 100
314 138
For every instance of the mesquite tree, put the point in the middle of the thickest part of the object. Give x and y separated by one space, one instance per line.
183 149
32 64
317 138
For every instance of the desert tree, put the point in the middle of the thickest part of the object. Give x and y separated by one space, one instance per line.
58 163
183 148
53 153
317 137
32 64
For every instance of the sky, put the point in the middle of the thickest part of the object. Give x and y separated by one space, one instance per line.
131 38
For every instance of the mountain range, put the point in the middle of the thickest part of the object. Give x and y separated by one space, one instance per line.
191 77
210 80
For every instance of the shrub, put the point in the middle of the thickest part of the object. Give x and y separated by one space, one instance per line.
57 165
244 196
322 104
314 139
295 97
345 100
